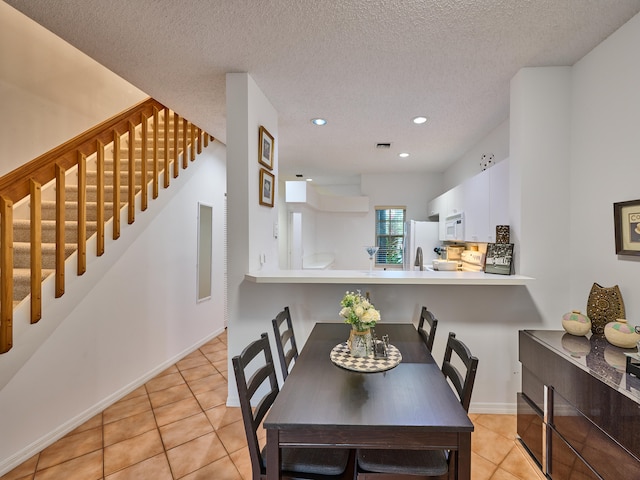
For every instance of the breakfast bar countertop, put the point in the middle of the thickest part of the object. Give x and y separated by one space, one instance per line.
382 277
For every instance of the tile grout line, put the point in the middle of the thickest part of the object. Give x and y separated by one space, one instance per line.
155 420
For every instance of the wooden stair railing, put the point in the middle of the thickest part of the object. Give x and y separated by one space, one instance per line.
162 137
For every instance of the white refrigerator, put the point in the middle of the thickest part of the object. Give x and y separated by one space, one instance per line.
424 235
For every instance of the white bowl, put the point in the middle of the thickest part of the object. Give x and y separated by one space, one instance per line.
446 265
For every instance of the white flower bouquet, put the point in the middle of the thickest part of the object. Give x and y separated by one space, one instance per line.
358 311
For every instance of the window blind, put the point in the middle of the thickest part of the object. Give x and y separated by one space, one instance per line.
390 223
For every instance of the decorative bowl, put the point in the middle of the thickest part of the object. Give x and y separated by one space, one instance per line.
621 334
576 323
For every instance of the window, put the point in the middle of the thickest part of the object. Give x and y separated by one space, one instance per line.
390 235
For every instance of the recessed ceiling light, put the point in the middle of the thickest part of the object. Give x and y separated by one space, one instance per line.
309 179
318 121
419 120
403 155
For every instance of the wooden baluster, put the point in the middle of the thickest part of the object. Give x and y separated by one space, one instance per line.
144 197
100 199
155 152
192 157
185 130
60 227
35 235
132 174
176 131
6 274
116 185
206 139
165 124
82 214
199 140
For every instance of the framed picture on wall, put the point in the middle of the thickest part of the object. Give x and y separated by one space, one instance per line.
499 258
626 218
265 148
267 187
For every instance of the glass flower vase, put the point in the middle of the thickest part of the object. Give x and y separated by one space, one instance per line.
360 343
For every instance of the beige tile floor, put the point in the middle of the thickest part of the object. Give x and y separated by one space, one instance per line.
177 426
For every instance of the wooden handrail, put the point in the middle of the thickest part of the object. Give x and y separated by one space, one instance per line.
15 184
53 166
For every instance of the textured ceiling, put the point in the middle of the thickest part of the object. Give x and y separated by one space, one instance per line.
368 66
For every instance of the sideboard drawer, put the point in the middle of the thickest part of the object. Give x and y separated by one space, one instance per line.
533 387
529 427
566 463
603 453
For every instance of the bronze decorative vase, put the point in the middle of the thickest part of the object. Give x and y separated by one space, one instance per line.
603 306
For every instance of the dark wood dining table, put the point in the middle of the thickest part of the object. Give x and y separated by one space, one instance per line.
410 406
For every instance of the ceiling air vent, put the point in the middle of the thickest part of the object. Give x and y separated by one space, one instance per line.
383 145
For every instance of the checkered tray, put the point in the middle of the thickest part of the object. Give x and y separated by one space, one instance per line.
341 356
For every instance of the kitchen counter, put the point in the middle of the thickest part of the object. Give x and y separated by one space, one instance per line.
382 277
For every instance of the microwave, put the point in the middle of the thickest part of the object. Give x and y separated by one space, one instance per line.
454 227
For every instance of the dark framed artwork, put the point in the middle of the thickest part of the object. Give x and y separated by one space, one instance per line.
499 258
265 148
626 219
267 187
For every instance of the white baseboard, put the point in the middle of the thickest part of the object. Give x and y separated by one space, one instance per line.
494 408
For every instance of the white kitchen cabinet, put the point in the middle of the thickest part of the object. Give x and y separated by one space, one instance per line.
454 200
484 199
475 204
437 207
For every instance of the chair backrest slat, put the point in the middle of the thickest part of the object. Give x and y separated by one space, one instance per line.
427 337
463 383
285 340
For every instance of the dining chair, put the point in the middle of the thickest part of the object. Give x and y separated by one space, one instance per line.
427 336
252 368
414 464
285 340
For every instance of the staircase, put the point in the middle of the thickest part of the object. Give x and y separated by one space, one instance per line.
155 147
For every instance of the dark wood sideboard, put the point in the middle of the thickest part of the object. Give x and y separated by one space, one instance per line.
578 412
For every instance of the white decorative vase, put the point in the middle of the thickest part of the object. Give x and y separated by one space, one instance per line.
360 343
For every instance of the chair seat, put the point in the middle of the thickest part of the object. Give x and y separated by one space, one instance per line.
429 463
322 461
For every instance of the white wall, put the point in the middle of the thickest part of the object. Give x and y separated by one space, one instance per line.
50 91
605 165
250 226
130 316
539 177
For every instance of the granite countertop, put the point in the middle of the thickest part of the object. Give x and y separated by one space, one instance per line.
594 354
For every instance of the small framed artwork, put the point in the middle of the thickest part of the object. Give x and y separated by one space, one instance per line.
266 187
265 148
499 258
626 218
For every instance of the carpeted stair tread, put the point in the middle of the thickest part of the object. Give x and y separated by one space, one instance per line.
71 210
22 254
21 230
22 282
